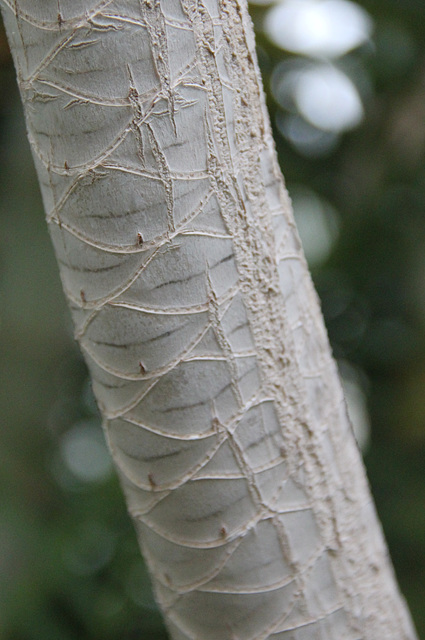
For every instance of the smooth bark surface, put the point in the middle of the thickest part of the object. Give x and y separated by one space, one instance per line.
196 314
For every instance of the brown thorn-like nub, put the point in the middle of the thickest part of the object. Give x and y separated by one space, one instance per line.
151 480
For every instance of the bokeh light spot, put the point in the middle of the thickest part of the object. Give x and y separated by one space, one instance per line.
321 93
318 28
84 452
328 99
317 223
307 139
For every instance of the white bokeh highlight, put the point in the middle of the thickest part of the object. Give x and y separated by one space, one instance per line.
318 28
328 99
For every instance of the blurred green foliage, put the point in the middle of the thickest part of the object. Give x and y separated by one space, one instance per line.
69 563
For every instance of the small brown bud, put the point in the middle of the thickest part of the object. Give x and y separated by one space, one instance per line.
151 480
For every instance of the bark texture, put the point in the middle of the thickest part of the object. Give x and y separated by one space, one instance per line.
196 314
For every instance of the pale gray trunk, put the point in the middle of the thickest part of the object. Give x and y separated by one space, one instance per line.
196 314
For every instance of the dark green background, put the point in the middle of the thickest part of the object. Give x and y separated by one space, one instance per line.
69 564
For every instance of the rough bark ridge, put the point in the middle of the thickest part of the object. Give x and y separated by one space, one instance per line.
195 312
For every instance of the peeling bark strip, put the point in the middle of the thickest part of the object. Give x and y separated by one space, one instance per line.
196 314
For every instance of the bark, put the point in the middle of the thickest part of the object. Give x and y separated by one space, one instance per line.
197 317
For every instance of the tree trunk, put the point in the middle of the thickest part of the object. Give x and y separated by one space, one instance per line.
196 315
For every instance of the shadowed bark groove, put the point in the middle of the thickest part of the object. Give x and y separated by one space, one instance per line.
196 314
